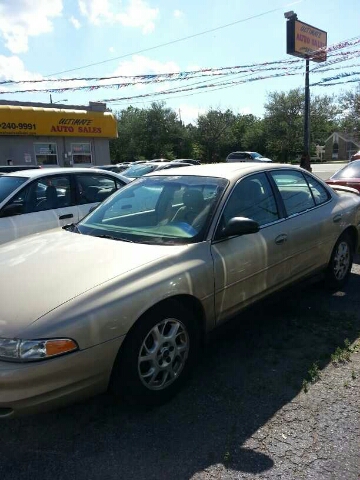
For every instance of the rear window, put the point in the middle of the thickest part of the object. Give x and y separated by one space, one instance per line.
9 184
238 156
350 171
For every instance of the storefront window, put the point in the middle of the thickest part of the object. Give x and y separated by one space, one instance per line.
81 153
46 153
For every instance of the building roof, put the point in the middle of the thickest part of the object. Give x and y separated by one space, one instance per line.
346 137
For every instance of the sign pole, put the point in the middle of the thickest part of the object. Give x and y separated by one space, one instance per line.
307 118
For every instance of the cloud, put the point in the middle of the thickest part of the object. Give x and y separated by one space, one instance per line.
140 65
23 19
178 13
137 13
190 113
13 68
75 22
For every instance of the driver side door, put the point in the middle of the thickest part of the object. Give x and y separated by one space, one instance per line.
249 266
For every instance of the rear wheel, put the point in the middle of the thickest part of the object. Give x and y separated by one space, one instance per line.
339 268
157 356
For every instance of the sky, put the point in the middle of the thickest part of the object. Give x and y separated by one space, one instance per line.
59 39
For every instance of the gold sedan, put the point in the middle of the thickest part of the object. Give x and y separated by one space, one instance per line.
124 298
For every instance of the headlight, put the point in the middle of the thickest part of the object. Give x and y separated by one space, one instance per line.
30 350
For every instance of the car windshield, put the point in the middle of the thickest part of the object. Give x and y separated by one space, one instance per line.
157 210
255 155
137 171
350 171
9 184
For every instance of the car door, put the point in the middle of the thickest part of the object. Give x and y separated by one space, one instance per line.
45 203
311 232
249 266
93 188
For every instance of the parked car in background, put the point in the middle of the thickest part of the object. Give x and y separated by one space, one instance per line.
109 168
157 160
174 164
137 171
356 156
246 157
17 168
348 176
137 284
186 160
32 201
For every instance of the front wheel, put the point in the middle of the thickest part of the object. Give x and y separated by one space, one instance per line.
157 356
339 268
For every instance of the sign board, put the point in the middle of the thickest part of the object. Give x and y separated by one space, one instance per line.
52 122
305 41
27 157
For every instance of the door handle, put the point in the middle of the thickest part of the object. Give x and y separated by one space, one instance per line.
337 218
67 215
279 240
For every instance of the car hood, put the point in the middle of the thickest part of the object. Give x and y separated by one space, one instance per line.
42 272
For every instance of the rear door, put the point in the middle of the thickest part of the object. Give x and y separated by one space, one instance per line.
311 229
249 266
43 204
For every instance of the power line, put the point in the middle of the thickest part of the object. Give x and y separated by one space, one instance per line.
172 42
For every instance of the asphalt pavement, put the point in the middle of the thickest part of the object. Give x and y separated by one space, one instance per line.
276 396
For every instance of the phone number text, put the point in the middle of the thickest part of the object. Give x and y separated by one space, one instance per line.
18 126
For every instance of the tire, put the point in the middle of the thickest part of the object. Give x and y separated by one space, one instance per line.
157 356
339 268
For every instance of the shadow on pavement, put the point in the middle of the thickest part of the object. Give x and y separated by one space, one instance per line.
251 368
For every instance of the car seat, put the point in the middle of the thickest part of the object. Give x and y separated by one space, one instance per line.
194 203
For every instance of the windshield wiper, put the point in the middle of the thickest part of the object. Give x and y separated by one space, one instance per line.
111 237
71 227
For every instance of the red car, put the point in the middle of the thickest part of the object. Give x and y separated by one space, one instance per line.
348 176
356 156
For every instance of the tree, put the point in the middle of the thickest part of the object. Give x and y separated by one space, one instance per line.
283 124
215 134
350 106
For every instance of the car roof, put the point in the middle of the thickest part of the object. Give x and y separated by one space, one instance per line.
42 172
230 171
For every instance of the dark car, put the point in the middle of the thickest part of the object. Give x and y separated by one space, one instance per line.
16 168
348 176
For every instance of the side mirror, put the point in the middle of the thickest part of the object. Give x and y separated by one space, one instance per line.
12 209
240 226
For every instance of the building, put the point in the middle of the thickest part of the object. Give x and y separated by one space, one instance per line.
50 134
340 146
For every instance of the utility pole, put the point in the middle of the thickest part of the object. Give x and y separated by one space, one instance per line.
308 42
50 98
307 165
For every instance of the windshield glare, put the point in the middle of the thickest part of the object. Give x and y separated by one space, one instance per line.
157 210
9 185
350 171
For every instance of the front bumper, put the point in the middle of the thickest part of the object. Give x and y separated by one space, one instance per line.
27 388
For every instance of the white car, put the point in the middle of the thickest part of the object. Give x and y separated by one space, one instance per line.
33 201
246 157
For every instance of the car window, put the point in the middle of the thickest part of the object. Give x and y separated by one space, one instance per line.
93 188
350 171
46 193
9 185
319 192
158 210
237 156
294 191
252 198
